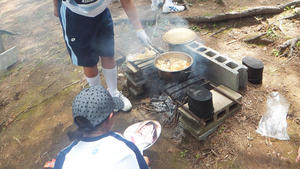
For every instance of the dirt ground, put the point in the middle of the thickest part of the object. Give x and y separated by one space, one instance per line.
37 92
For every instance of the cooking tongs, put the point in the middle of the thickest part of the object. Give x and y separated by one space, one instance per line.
155 49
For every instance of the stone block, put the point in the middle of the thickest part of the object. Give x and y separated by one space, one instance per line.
8 58
216 67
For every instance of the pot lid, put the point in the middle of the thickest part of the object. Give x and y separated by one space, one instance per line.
199 93
253 63
178 36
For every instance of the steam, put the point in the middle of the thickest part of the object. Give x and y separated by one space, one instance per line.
156 24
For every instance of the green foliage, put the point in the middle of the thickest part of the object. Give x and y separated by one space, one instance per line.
195 28
222 129
214 25
271 33
183 153
197 156
287 8
275 52
298 44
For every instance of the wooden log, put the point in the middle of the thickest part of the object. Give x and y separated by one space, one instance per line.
291 44
249 12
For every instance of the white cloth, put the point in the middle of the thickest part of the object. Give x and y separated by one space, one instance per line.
90 10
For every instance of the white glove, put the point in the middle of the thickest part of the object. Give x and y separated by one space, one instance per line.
143 37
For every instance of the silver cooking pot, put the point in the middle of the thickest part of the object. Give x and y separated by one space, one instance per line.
178 75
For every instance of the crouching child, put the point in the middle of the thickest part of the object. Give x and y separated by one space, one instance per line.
97 146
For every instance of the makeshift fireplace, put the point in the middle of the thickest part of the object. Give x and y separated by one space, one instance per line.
190 96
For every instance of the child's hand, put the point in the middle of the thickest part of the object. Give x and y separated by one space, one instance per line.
147 160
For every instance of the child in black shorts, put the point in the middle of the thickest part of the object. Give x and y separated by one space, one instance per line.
88 32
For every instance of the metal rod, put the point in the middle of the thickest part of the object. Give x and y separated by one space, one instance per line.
140 61
183 85
224 94
156 50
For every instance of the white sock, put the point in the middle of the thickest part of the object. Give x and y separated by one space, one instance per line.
111 80
93 81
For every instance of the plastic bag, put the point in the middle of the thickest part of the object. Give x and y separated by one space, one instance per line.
273 122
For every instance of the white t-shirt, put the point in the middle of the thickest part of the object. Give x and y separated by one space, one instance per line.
109 151
89 8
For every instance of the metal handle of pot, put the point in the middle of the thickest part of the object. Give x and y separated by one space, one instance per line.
155 49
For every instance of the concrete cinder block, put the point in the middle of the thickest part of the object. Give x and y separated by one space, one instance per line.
223 109
8 58
215 66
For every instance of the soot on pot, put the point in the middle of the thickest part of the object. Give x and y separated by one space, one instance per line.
200 101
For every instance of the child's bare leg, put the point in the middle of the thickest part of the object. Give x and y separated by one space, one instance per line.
92 75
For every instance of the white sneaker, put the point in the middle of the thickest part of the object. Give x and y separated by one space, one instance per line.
127 106
171 7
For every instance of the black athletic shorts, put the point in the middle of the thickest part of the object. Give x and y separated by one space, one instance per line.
87 38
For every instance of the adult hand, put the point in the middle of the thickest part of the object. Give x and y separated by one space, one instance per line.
143 37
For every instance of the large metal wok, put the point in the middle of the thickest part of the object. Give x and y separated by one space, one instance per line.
177 75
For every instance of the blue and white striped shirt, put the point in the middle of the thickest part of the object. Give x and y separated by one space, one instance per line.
89 8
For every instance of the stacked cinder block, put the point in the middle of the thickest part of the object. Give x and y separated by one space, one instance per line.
215 66
223 109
